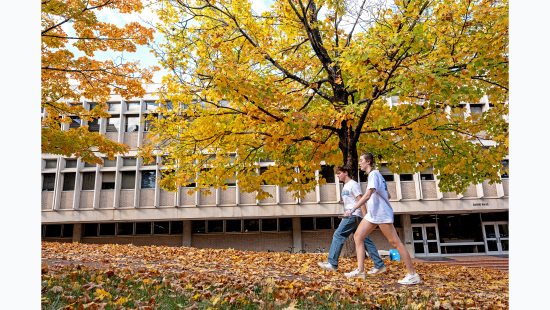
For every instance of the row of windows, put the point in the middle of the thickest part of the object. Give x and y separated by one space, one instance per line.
128 180
197 227
131 123
72 163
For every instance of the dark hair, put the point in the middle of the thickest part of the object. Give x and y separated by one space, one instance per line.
369 158
346 169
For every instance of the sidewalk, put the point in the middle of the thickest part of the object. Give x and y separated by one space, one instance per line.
499 262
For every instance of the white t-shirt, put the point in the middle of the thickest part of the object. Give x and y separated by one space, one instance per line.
379 210
350 191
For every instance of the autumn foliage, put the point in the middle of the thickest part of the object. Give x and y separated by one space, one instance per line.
309 81
72 35
149 277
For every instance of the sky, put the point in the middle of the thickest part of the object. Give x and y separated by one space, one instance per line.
21 181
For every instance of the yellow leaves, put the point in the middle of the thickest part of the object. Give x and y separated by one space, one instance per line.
102 294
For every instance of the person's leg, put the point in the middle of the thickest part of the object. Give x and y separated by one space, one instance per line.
346 227
389 232
373 253
364 229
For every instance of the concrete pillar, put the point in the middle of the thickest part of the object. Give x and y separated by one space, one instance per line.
77 232
186 240
296 234
407 233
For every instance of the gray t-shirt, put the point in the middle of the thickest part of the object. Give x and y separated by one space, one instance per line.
379 210
350 191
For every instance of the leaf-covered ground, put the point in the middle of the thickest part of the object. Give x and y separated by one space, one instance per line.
78 276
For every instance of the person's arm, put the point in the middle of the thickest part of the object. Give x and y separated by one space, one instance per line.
362 201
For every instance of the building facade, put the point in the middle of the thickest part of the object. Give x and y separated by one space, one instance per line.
121 202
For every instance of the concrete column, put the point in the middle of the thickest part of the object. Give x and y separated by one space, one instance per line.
296 234
186 240
407 233
77 232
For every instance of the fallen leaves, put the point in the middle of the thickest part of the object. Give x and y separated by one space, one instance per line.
79 275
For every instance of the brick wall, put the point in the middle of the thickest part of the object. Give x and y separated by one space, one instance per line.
249 241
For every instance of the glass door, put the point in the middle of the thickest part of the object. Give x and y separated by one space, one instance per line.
496 237
425 240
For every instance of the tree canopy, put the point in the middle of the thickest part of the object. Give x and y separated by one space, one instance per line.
307 82
71 36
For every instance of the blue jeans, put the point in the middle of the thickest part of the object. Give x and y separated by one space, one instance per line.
347 226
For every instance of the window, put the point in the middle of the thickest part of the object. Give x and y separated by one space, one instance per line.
129 161
70 163
50 163
262 171
176 227
133 106
161 228
337 221
67 230
148 123
505 169
231 181
198 226
92 105
215 226
307 223
427 177
68 181
476 109
89 165
233 226
406 177
114 106
93 125
251 225
48 182
90 230
88 181
269 224
53 230
143 228
285 224
327 172
388 177
128 180
109 163
386 173
148 179
151 105
323 223
75 122
108 180
363 177
132 123
113 124
168 105
125 228
107 229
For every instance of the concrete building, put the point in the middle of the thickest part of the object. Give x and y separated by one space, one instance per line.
120 202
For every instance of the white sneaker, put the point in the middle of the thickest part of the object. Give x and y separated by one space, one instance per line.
355 274
375 270
326 266
410 279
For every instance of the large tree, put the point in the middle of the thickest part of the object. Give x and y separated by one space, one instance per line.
310 81
71 35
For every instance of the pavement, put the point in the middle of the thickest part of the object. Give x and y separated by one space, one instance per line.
499 262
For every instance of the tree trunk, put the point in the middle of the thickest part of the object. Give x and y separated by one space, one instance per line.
348 147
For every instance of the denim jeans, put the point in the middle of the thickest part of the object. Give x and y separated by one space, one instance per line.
347 226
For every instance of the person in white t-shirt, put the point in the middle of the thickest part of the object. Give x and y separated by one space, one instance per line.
379 213
350 194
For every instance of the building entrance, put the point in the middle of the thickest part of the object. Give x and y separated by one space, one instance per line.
425 240
496 237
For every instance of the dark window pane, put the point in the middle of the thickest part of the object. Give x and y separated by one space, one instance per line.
148 179
426 177
323 223
68 181
215 226
161 228
113 123
88 181
251 225
68 230
198 226
93 125
285 224
233 226
337 221
53 230
269 224
51 163
109 163
70 163
327 172
406 177
89 230
89 165
129 161
107 229
494 216
108 180
114 106
75 122
505 170
176 227
132 123
143 228
151 105
363 177
128 180
48 183
125 228
307 223
388 177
